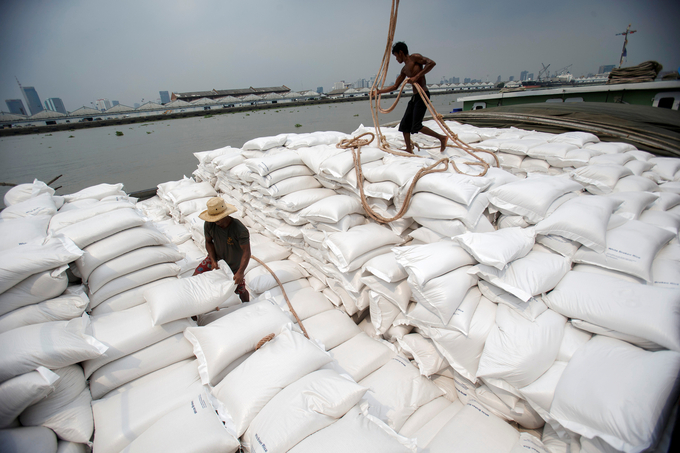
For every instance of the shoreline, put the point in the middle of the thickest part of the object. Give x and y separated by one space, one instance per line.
8 132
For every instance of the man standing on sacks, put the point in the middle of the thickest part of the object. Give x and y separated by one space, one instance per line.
415 68
227 239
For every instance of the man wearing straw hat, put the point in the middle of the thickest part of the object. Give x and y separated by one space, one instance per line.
226 239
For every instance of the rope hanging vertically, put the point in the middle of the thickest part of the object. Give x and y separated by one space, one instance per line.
356 143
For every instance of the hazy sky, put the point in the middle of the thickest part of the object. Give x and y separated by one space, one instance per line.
129 50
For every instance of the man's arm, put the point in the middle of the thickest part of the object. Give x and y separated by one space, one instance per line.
210 247
400 79
245 259
423 62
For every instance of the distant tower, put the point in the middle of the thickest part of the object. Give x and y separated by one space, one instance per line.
32 99
523 75
15 106
165 97
56 105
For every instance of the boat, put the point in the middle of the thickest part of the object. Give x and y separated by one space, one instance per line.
375 306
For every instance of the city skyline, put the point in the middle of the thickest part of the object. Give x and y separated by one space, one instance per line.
190 46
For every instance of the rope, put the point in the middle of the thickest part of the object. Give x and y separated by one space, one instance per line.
285 296
356 143
264 340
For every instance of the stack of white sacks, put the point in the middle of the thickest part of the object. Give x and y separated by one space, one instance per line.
526 309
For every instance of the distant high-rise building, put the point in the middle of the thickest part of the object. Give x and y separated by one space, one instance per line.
523 75
15 106
319 90
530 76
606 68
165 97
103 104
32 100
466 80
56 105
114 103
511 78
498 80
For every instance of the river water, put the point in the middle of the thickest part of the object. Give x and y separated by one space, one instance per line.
148 154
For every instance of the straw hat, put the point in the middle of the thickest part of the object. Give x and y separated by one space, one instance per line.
217 209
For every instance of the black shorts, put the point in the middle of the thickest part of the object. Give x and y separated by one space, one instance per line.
412 122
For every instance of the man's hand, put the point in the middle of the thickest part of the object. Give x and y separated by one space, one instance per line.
238 277
213 263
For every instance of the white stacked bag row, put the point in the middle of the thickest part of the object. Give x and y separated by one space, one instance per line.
61 256
501 313
472 309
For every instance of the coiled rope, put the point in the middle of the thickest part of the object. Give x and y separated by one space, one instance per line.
356 143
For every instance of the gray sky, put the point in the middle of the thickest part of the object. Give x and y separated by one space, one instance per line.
126 50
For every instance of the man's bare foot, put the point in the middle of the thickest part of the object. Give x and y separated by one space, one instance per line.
444 141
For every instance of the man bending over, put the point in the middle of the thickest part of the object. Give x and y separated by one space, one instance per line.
226 239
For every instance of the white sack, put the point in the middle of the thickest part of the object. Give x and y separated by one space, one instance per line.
531 197
331 328
21 262
499 248
265 143
117 245
644 311
631 249
260 279
65 218
530 309
600 179
193 427
474 430
518 350
135 260
582 219
128 331
442 295
425 262
28 439
72 422
40 205
277 364
386 268
100 226
121 418
97 192
23 192
22 391
271 162
226 339
429 205
302 408
62 308
133 280
355 432
534 274
620 376
126 299
24 349
185 297
360 356
190 192
126 369
34 289
463 351
332 209
397 390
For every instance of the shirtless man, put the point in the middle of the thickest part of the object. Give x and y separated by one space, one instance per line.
415 68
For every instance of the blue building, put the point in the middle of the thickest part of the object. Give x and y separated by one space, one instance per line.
165 97
15 106
32 100
56 105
